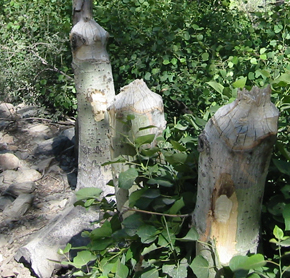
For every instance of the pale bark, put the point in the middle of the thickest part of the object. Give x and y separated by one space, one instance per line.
235 150
147 107
95 92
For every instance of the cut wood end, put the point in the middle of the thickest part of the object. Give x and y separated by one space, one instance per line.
138 98
88 41
251 118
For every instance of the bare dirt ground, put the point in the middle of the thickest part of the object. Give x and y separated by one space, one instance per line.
28 139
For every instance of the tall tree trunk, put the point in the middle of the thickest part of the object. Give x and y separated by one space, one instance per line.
235 150
95 92
147 110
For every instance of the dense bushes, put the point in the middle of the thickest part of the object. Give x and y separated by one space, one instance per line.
35 54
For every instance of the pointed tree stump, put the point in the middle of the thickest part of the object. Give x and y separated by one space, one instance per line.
95 92
147 110
235 150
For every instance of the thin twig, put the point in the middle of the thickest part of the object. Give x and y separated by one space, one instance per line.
155 213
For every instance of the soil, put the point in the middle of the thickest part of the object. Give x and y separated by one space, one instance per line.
23 137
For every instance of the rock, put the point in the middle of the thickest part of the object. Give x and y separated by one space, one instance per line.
43 166
9 176
69 133
41 251
19 207
26 111
17 189
23 175
40 131
5 201
27 175
6 138
53 146
9 161
6 110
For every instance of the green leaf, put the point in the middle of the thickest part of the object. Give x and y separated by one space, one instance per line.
240 83
147 127
278 233
205 56
176 158
180 127
104 231
147 76
246 263
177 206
283 80
176 145
149 249
286 215
216 86
151 193
200 267
173 61
160 181
150 152
67 248
83 258
118 159
179 271
127 178
132 223
286 191
88 193
150 272
145 139
164 239
147 233
191 235
282 166
101 244
284 243
122 270
254 275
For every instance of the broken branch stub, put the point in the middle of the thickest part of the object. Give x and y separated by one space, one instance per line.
134 108
235 151
95 92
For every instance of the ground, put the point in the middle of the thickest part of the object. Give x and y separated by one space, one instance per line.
46 147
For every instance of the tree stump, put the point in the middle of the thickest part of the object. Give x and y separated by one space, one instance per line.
135 107
235 150
95 92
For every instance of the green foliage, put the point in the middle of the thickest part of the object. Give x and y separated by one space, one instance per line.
196 54
35 53
155 239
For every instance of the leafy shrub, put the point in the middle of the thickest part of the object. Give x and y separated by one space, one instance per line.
156 239
35 54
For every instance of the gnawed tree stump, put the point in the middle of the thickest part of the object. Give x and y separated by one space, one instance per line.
95 92
235 149
135 107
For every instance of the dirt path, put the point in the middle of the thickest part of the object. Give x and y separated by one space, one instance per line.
45 149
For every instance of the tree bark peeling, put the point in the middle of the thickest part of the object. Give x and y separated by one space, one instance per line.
235 151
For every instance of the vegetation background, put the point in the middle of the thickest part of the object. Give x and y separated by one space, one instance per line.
196 54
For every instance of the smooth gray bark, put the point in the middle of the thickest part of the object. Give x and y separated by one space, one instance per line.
235 150
95 92
147 108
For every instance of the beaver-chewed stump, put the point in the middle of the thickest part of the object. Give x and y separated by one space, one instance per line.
235 151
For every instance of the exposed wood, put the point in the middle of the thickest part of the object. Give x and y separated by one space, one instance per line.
95 92
147 108
235 149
